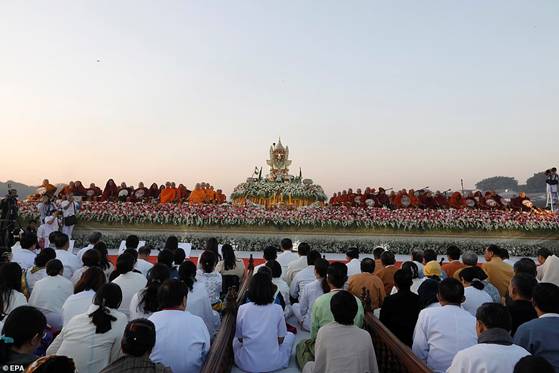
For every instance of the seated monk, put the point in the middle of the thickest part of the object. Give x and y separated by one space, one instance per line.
384 200
357 199
350 198
332 199
470 201
79 189
183 193
427 201
220 197
343 198
49 188
519 204
141 193
110 193
441 201
92 193
210 194
197 196
66 190
480 200
456 201
414 200
154 192
169 194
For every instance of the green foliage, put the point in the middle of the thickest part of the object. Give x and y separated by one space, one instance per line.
498 182
536 183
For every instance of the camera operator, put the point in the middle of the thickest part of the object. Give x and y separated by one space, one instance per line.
8 218
46 207
552 179
69 209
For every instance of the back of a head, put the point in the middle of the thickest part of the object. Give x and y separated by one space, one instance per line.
469 258
453 252
527 266
229 258
44 256
470 275
166 257
94 237
187 270
427 292
403 279
92 279
139 337
303 249
108 296
546 297
179 257
171 293
412 268
503 253
212 245
377 252
533 364
28 240
172 243
337 274
132 252
286 244
22 324
208 260
54 267
270 253
344 307
417 255
61 241
52 237
387 258
148 300
429 255
494 249
321 267
312 257
543 252
451 291
91 258
132 242
260 290
275 267
524 284
145 250
352 253
367 265
494 315
52 364
125 263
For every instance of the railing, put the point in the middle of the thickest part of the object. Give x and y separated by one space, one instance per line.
220 358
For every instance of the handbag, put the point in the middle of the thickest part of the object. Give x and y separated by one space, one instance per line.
70 220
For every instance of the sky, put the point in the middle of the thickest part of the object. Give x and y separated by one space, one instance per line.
365 93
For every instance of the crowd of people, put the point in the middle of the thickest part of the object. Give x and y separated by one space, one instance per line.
62 311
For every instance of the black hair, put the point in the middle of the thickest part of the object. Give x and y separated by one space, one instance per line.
312 256
524 285
52 237
527 266
546 297
44 256
124 263
545 252
171 293
91 258
260 289
451 290
27 240
61 240
468 274
22 324
187 273
166 257
403 279
179 256
321 267
265 270
208 260
108 296
213 245
494 249
429 255
417 255
303 249
52 364
427 292
286 244
494 315
101 248
138 338
145 250
352 253
95 237
132 242
10 279
229 259
344 307
531 364
504 253
270 253
132 252
377 252
453 252
412 268
148 296
92 279
172 243
388 258
275 267
367 265
337 274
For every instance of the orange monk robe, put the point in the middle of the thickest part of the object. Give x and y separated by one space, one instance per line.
182 193
197 196
210 196
456 201
168 195
220 198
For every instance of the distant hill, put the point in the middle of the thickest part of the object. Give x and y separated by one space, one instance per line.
22 189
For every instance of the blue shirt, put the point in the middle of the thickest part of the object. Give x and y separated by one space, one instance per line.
541 338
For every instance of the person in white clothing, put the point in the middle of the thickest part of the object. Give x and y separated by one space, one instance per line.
261 343
69 211
270 253
50 293
311 292
10 290
440 332
44 231
144 302
295 266
353 264
70 262
106 265
417 258
130 282
84 293
182 339
495 351
198 300
212 280
89 259
416 279
142 264
25 254
92 339
286 255
304 276
39 269
92 239
473 290
282 286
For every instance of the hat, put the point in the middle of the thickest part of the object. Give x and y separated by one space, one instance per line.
49 219
433 268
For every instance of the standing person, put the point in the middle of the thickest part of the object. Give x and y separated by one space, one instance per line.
262 342
453 253
69 211
21 335
50 293
340 345
210 279
367 280
137 343
92 339
70 262
11 296
494 351
130 282
295 266
286 255
45 230
386 274
304 276
541 336
144 302
521 308
92 241
473 291
25 256
182 340
498 272
441 332
39 269
313 290
84 293
400 311
353 264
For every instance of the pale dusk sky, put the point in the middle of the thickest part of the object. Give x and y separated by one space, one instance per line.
380 93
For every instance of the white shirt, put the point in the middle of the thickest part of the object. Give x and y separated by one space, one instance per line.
182 340
212 282
33 277
70 262
143 266
550 270
198 303
474 299
440 333
311 291
16 299
44 231
416 283
82 251
294 267
77 304
78 274
487 357
284 258
283 288
24 257
353 267
50 293
130 283
136 312
302 278
90 351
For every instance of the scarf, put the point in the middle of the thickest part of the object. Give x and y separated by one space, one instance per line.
496 336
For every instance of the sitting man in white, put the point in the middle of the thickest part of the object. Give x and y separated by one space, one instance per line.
495 351
340 345
25 255
304 276
70 261
182 339
130 282
441 332
311 292
353 262
298 264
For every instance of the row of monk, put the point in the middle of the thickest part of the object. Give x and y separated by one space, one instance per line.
168 193
426 199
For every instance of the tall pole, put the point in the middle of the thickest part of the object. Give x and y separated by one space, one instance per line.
462 184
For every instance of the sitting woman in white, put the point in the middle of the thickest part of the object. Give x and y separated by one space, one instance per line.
130 282
144 302
84 292
473 290
39 270
311 291
50 293
211 280
281 285
10 290
92 339
230 265
89 259
198 300
106 265
261 343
